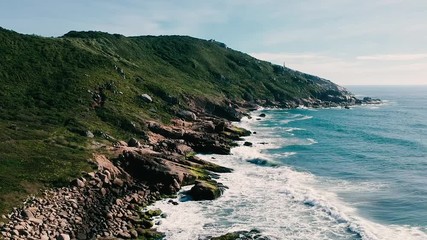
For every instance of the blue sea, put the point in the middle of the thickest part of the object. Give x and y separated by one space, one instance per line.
358 173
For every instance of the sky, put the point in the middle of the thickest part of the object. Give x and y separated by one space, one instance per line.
351 42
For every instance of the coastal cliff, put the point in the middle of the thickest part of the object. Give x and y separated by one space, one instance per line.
116 121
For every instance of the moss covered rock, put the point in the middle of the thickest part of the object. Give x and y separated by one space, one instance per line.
206 190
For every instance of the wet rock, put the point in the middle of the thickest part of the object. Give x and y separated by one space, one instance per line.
205 190
147 223
369 100
153 212
262 115
248 144
258 161
241 235
173 202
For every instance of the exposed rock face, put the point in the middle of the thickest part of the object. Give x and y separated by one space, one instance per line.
368 100
154 170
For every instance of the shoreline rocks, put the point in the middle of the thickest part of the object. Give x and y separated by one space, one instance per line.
109 203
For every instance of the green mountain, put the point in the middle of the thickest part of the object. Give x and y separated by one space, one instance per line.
55 92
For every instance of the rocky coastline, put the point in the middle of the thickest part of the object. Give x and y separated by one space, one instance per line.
110 202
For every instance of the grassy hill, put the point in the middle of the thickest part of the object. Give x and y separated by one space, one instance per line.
54 90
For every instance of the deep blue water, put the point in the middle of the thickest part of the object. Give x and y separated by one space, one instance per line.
358 173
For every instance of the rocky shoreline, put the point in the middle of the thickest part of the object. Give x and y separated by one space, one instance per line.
110 202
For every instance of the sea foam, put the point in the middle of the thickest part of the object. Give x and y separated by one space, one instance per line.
279 201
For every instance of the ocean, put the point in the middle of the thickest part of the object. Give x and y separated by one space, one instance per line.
358 173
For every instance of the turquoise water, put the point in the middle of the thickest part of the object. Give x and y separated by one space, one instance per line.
358 173
384 146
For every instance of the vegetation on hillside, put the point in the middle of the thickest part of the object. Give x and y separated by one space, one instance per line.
54 90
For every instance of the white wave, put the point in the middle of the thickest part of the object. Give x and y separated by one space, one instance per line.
286 121
281 202
284 154
291 129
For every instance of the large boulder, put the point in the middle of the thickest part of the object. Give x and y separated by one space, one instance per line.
133 142
206 190
156 170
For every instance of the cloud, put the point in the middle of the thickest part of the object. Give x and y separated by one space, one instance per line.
394 57
356 70
159 18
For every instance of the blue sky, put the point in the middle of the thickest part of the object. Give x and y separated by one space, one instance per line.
350 42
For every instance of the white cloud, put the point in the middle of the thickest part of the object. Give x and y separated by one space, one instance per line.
355 70
394 57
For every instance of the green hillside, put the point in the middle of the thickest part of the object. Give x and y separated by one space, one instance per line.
54 90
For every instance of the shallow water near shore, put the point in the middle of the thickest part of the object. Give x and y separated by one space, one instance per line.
322 174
